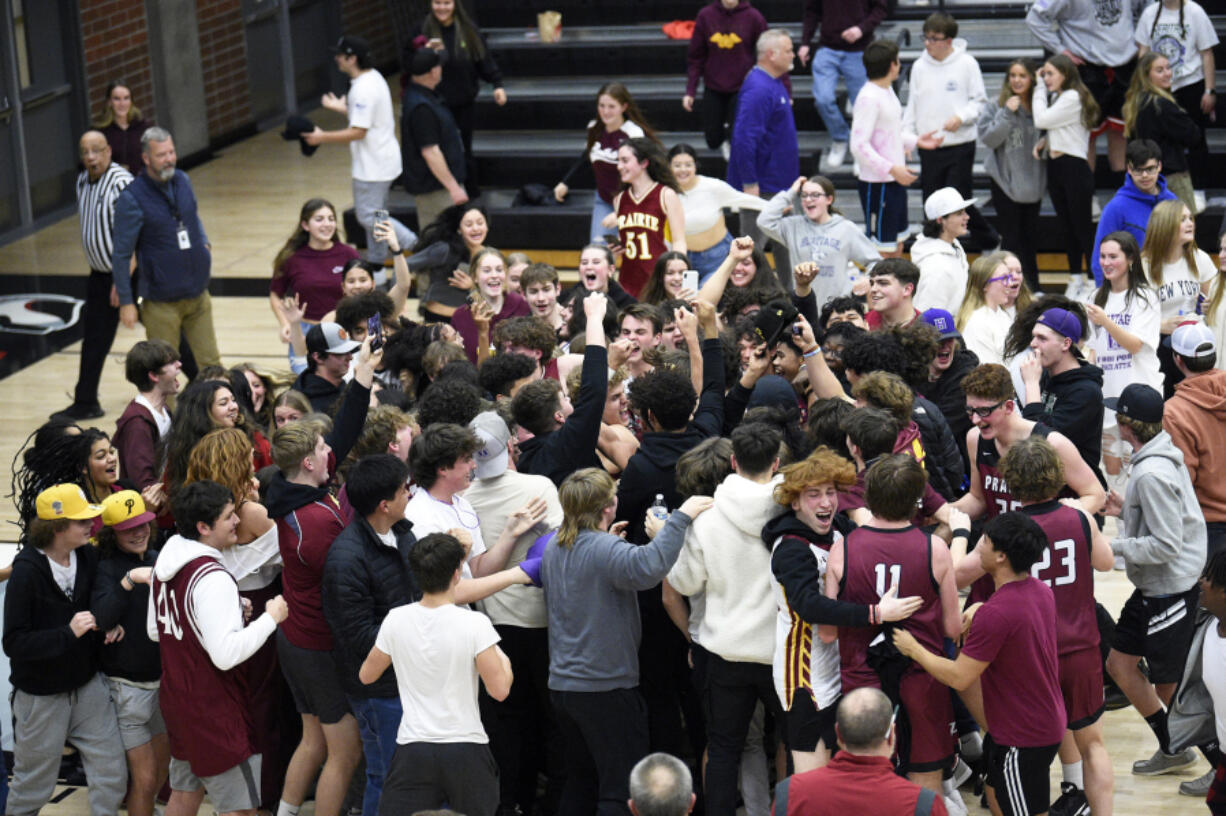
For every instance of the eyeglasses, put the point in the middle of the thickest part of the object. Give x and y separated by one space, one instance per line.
1149 170
1008 276
985 411
935 38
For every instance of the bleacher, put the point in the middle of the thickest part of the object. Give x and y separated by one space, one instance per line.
551 91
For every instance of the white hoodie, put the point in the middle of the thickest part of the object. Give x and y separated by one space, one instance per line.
725 558
216 608
939 90
943 274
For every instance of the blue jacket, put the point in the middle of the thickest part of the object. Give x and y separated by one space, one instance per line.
764 148
1129 210
148 216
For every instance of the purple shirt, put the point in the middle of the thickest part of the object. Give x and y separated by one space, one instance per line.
1015 633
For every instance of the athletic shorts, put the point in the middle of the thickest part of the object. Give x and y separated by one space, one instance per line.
140 716
930 710
1081 684
1158 629
885 212
314 681
1109 87
1019 777
235 789
807 725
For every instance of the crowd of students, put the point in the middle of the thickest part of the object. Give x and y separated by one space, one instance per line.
498 550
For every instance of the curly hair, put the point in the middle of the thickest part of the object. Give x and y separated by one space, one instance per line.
1033 470
919 343
500 372
825 425
51 455
668 395
222 456
823 466
885 390
449 400
353 311
527 332
874 351
989 381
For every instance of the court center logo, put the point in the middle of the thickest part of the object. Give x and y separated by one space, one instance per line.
39 314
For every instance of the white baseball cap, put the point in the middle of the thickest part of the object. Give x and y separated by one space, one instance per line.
945 201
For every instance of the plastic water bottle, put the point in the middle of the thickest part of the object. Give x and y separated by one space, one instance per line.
658 508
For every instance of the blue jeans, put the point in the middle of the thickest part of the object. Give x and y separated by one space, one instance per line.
378 721
707 261
599 210
828 65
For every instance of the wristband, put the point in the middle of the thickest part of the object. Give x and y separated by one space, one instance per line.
812 352
127 576
1211 91
963 532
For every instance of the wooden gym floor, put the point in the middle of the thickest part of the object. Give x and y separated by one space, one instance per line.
249 198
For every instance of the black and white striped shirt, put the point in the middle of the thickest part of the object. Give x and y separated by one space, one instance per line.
96 205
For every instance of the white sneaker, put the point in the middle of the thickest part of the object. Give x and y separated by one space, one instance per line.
1072 289
725 150
953 800
838 152
1096 209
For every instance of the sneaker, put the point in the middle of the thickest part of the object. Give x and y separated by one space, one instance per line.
77 412
1072 802
1198 787
962 772
1114 699
1161 763
953 799
838 152
725 150
1096 209
970 747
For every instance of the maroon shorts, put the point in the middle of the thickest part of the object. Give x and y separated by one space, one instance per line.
1081 684
930 710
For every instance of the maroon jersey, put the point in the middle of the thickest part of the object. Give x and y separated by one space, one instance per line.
205 708
996 496
641 228
875 559
1065 567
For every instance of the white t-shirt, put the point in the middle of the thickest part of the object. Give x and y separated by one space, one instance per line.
162 418
1179 44
65 577
433 650
985 333
429 515
376 157
1213 673
1180 287
1141 317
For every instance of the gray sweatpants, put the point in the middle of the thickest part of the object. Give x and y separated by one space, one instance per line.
369 196
44 722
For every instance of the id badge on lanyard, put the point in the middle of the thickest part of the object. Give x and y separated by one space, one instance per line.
185 241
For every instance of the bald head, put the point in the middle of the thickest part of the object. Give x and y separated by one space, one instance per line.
95 153
863 721
660 785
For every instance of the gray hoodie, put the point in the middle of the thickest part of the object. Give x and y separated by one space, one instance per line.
1011 136
1164 541
830 245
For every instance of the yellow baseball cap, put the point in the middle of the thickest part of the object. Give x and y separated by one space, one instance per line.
65 501
125 510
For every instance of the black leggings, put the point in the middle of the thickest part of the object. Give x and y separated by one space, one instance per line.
718 111
1018 225
1070 183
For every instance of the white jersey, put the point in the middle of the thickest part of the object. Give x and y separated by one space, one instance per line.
803 663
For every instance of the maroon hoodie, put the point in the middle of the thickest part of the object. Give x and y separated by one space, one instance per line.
723 47
836 16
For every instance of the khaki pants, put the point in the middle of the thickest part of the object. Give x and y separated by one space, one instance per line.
164 319
429 205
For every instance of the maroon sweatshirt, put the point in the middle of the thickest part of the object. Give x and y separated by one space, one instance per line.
723 47
837 16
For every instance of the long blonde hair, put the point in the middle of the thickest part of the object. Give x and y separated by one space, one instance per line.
584 495
976 282
1162 237
1141 92
1217 287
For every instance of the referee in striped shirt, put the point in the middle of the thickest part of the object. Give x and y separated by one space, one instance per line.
98 187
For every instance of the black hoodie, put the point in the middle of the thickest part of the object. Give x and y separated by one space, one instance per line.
135 657
796 570
44 655
1072 403
946 393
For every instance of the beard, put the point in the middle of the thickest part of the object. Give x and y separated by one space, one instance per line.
166 173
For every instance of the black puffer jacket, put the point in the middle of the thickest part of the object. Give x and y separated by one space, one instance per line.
946 392
363 580
942 459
